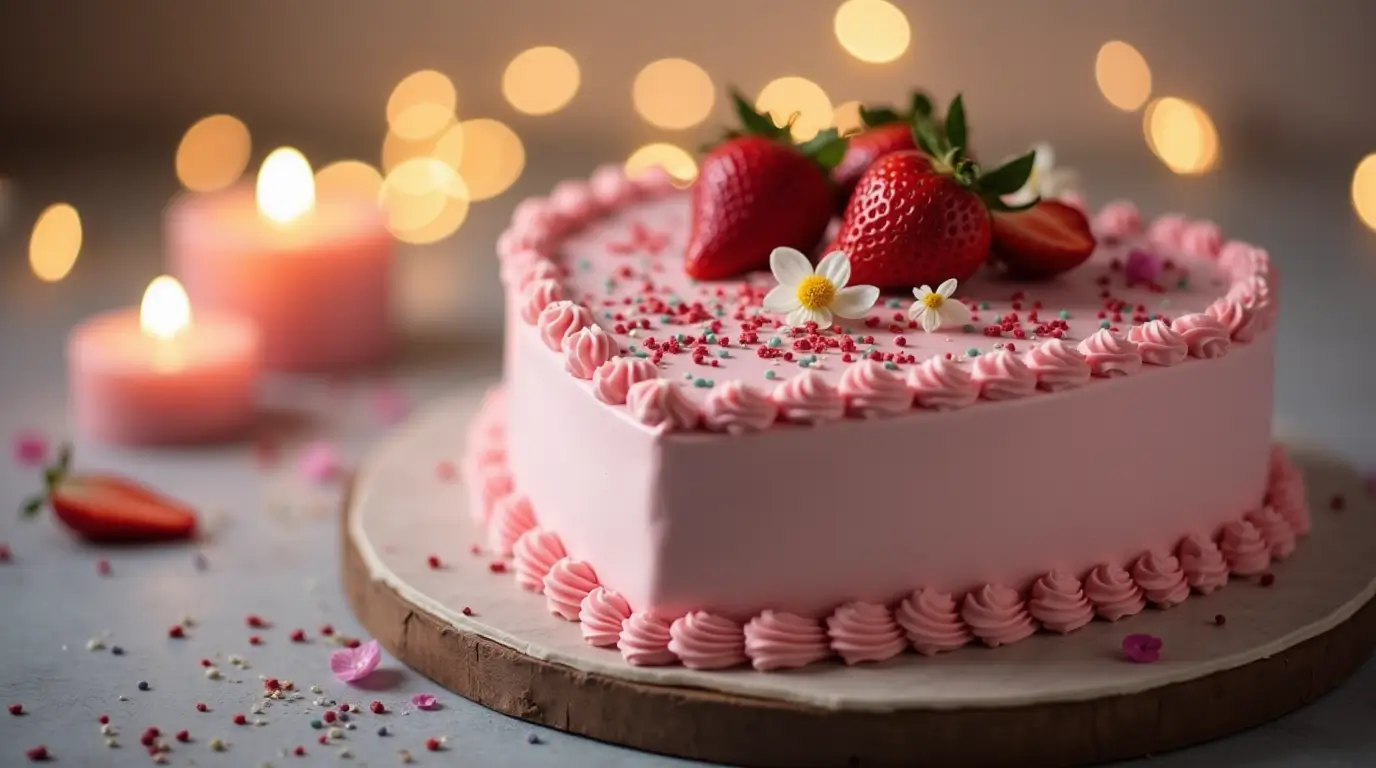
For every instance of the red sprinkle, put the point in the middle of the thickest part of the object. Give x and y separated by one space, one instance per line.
37 753
298 635
467 611
255 640
329 716
326 630
324 739
103 567
149 736
299 751
900 341
433 561
16 709
104 719
345 708
445 470
176 631
239 719
352 642
201 707
377 707
5 553
1267 579
255 622
1220 619
207 663
272 684
497 566
1338 503
183 735
432 744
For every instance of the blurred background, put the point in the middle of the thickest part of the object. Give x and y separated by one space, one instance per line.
1253 113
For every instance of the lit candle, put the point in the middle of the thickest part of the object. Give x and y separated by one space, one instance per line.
156 375
312 272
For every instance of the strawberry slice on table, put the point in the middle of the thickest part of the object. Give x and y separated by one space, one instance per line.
886 130
109 508
757 191
1044 240
921 217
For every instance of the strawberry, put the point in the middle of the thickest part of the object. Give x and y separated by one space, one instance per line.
920 217
1042 241
886 130
108 508
757 191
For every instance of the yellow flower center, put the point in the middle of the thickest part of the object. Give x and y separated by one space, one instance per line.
933 301
816 292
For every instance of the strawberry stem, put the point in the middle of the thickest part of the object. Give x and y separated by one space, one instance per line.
946 144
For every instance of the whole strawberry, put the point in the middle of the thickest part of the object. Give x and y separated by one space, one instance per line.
886 130
920 217
757 191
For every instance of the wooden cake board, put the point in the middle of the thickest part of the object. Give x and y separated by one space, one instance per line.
1049 701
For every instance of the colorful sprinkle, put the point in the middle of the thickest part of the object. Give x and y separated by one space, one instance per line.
1105 324
771 375
972 352
1064 314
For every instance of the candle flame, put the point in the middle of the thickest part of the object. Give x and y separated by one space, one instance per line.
286 186
166 310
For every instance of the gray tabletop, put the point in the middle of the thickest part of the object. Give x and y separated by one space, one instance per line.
273 550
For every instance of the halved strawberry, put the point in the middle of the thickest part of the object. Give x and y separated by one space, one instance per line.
1042 241
109 508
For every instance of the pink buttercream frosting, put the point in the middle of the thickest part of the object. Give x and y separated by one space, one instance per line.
1287 493
659 403
997 615
1119 220
931 620
610 187
1243 547
1202 239
808 399
1235 317
1168 231
870 389
1002 375
1057 365
535 554
532 211
1113 593
737 407
586 349
566 584
644 640
1275 531
1059 603
777 640
1244 260
612 380
1204 335
496 483
1158 344
1110 355
600 616
942 384
512 516
864 632
652 181
1203 563
537 295
538 269
703 640
1161 578
560 320
573 202
1255 294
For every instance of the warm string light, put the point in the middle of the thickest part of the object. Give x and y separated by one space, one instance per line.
213 153
55 242
1364 190
673 94
873 31
493 158
425 201
541 81
352 176
673 159
1182 135
797 99
421 105
1123 75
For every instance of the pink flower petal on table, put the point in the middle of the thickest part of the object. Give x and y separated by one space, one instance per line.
425 700
1142 266
353 664
389 403
319 462
1142 649
30 448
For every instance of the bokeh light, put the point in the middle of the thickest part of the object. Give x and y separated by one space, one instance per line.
673 94
1364 190
671 158
213 153
1182 134
1123 75
449 146
425 201
789 96
493 158
351 176
286 186
541 80
421 105
55 242
846 118
873 31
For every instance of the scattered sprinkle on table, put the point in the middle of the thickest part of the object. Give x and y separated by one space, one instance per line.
37 753
1267 579
16 709
143 685
1220 619
533 738
103 568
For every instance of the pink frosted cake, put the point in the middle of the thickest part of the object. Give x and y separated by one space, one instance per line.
697 479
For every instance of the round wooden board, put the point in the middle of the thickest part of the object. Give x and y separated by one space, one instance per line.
504 663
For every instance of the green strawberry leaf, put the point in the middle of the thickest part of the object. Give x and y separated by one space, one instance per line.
873 118
1009 177
955 123
64 458
826 148
921 105
32 505
754 122
928 139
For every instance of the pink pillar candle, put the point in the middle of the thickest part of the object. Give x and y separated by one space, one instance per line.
318 287
131 388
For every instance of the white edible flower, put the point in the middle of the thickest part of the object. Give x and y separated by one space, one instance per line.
805 295
1046 180
936 309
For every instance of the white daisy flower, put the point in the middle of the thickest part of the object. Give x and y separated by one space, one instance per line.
804 295
936 309
1046 181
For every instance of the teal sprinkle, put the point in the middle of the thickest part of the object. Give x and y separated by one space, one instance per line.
776 342
972 352
674 301
607 315
859 339
813 358
608 284
630 348
1065 314
641 354
998 318
317 725
680 338
703 383
1104 324
724 355
1183 284
984 305
890 365
893 304
805 363
664 319
967 328
771 375
721 312
687 377
584 265
710 338
639 300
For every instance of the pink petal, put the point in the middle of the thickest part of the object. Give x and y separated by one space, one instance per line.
353 664
30 448
1142 649
424 700
389 403
319 462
